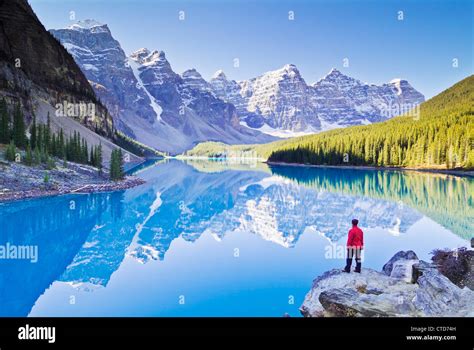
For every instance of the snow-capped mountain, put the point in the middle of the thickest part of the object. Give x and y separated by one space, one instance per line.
282 99
341 100
149 101
282 104
172 112
194 80
102 59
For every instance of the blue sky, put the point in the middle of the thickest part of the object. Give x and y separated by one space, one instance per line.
420 48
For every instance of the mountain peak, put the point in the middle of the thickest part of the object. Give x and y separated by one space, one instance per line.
400 85
287 70
191 73
156 55
145 56
398 81
140 53
89 25
334 72
334 76
219 75
289 67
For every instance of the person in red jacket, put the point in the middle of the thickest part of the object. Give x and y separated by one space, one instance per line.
355 244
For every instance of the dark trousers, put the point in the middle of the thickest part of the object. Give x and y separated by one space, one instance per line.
351 253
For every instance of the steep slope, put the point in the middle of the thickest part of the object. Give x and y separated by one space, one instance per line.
148 100
35 68
282 98
93 47
281 103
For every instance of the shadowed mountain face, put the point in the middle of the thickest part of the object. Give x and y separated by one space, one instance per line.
35 68
39 56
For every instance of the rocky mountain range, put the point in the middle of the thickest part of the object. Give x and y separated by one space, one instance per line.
173 112
281 103
149 101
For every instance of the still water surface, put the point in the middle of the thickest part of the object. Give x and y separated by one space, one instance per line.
212 238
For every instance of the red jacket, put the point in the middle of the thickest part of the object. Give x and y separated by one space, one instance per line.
355 238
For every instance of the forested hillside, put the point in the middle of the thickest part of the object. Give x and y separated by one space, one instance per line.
441 136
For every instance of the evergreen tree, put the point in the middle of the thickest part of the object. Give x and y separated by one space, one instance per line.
10 152
28 156
37 156
33 133
116 165
47 135
98 155
84 152
19 136
39 137
121 172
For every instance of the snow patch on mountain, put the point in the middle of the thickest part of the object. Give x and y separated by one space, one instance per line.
281 133
89 25
135 69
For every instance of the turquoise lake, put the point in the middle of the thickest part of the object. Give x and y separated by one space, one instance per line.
218 238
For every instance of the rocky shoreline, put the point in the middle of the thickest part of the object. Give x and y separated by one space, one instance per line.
406 287
19 182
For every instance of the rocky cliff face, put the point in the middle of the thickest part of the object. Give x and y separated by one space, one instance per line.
341 100
406 287
149 101
35 68
93 47
281 103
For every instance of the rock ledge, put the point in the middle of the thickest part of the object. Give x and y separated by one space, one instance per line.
407 287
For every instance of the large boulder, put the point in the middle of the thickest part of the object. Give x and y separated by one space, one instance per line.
438 296
369 293
419 268
457 265
412 288
401 255
403 269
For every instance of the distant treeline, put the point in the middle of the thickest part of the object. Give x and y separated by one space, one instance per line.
134 146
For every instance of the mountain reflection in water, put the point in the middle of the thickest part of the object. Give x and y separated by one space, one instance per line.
248 235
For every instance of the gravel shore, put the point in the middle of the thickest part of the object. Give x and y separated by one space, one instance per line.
18 181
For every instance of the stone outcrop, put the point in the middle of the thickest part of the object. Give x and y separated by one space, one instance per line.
406 287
